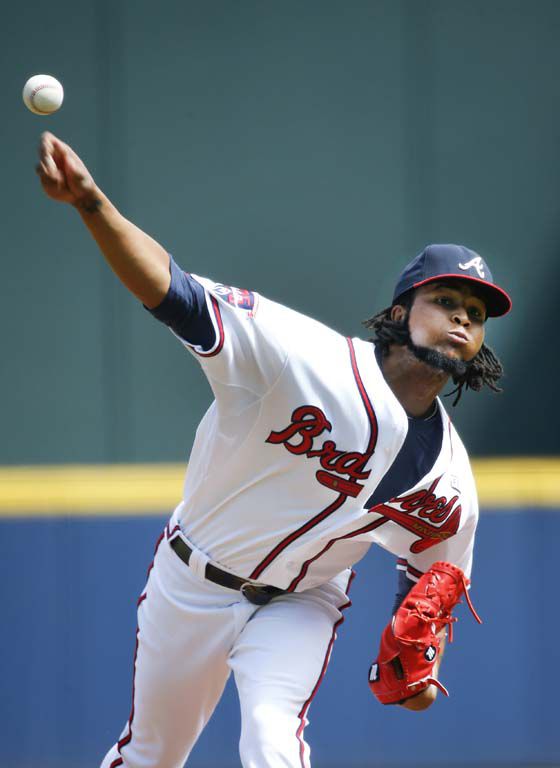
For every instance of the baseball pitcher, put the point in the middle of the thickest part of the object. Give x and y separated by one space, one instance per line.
315 447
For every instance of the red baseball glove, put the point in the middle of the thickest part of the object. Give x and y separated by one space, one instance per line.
410 644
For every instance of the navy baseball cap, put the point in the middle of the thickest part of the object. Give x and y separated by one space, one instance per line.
437 262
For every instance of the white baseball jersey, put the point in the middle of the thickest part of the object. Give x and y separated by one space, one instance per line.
302 430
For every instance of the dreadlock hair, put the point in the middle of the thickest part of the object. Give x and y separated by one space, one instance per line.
484 369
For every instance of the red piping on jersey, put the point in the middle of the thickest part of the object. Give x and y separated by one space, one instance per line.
127 739
296 534
339 501
305 567
414 571
220 324
405 566
307 704
169 533
158 542
366 401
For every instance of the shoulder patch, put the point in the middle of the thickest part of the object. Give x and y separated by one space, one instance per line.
236 297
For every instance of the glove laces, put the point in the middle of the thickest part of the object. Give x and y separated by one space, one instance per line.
469 603
429 680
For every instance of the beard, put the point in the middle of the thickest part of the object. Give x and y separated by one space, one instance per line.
457 369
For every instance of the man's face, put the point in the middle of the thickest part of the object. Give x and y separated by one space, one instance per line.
448 317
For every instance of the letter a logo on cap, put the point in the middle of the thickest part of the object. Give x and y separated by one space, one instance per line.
476 263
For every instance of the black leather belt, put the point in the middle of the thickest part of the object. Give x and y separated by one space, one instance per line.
258 594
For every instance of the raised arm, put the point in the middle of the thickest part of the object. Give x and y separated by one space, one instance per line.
138 260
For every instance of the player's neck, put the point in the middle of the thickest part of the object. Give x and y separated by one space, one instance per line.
414 383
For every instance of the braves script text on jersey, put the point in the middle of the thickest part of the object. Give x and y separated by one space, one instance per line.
302 429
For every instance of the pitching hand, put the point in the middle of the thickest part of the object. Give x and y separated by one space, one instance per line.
64 177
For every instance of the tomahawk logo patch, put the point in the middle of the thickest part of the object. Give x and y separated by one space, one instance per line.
237 297
374 673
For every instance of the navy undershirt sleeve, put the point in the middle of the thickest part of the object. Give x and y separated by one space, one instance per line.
404 585
184 309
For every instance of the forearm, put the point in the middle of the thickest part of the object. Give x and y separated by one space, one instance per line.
138 260
140 263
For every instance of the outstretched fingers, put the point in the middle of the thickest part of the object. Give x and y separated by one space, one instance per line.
49 172
63 175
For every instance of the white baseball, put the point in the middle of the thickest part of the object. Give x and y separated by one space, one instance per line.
43 94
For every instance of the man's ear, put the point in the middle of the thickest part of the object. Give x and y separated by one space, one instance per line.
398 313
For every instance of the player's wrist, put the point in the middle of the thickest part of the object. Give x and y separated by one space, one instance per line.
420 701
90 202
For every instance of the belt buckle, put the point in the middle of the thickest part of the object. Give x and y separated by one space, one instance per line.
256 593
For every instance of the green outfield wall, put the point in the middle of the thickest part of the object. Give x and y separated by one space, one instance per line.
306 150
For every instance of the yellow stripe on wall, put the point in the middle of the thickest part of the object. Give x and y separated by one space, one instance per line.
83 490
143 489
518 482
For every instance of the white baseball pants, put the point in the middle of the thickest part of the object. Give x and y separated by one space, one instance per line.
192 634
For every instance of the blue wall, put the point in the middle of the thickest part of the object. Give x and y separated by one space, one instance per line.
69 590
